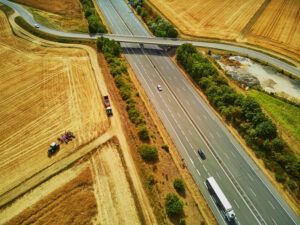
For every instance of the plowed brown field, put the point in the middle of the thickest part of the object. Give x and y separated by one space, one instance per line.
278 28
223 19
43 92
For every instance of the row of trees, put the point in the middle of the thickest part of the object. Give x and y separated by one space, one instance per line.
118 69
159 27
95 23
245 114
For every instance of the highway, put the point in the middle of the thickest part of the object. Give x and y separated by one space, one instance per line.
147 39
193 125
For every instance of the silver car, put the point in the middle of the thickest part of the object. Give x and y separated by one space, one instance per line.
159 87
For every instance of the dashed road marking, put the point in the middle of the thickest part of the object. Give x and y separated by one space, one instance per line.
250 176
252 192
271 204
236 203
198 172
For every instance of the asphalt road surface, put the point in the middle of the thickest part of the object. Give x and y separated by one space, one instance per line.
193 125
144 38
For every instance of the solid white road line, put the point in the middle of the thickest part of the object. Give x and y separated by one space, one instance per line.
252 192
236 203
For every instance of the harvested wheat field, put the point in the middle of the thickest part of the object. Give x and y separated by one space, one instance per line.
223 19
63 7
43 92
94 190
72 203
278 28
114 198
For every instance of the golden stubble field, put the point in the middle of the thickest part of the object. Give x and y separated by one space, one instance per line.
222 19
278 28
93 191
43 92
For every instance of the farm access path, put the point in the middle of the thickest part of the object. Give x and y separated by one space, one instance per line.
115 129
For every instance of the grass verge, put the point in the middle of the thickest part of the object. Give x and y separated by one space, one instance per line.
286 114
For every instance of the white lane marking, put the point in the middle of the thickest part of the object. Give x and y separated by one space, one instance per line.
270 203
198 117
236 203
238 223
219 135
252 192
198 172
250 176
178 114
233 154
192 162
204 168
211 135
218 176
169 99
226 155
190 132
274 221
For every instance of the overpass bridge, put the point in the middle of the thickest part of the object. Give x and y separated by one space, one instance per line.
160 41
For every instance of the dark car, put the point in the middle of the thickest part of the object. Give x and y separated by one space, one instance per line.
201 153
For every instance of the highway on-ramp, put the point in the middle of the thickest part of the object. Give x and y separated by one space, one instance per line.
193 125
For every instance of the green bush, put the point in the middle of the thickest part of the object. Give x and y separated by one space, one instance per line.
143 133
134 114
179 185
174 205
182 221
280 175
165 147
148 152
125 92
292 185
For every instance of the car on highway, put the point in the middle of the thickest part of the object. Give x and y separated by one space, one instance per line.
201 153
159 87
36 25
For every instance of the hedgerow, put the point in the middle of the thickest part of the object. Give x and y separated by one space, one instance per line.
245 114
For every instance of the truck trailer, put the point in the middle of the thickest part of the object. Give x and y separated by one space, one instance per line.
221 199
107 106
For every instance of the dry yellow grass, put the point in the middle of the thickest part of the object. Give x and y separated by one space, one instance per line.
43 92
63 7
223 19
73 203
278 28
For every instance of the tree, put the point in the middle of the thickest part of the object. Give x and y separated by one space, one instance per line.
143 133
174 206
277 144
250 108
182 221
266 130
259 118
172 32
179 185
148 152
139 9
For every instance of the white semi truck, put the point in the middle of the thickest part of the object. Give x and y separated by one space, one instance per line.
222 201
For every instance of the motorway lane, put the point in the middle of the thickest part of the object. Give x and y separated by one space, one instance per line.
239 172
186 141
227 148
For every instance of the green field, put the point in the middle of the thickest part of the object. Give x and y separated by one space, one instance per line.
284 113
